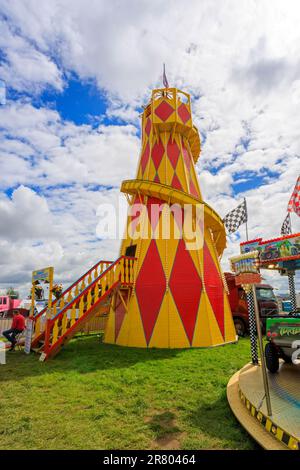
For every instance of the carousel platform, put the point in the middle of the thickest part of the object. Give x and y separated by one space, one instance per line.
246 397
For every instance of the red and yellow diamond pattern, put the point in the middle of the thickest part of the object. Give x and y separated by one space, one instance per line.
179 299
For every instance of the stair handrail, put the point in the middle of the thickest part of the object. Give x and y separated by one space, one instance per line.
44 310
86 289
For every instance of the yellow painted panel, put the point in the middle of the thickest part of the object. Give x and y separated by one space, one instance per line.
141 251
180 172
216 335
169 173
160 335
202 335
167 251
178 337
162 170
150 171
136 336
162 167
176 223
157 232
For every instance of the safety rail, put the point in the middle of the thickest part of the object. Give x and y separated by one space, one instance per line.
65 321
66 296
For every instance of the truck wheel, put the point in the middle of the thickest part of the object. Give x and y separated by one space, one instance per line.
239 327
272 359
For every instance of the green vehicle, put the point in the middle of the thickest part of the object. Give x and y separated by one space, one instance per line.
281 332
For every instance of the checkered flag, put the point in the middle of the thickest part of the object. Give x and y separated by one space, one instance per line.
236 217
286 227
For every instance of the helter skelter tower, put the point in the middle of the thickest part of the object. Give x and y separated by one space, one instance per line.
178 298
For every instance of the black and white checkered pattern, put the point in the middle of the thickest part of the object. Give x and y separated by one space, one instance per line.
236 217
252 328
291 278
286 228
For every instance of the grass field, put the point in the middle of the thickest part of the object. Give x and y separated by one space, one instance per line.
97 396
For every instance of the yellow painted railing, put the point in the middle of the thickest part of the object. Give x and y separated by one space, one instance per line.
70 293
67 318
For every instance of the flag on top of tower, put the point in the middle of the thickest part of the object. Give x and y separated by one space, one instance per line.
165 80
294 202
236 217
286 227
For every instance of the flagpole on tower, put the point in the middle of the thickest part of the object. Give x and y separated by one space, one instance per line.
165 80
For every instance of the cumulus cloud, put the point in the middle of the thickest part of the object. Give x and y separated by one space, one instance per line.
24 67
38 147
58 229
25 215
239 61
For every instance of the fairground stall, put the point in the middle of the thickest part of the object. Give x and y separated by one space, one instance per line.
265 395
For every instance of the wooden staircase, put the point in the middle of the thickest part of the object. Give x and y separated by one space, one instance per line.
54 327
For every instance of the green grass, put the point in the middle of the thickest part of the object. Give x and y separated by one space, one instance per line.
97 396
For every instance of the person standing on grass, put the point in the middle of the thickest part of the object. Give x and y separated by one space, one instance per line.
18 325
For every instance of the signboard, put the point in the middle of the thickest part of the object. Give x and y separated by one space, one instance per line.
44 275
41 292
246 268
247 278
278 249
245 263
287 328
28 336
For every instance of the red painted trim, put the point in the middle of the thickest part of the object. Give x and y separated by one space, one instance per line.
73 285
68 306
37 339
250 241
271 240
285 237
85 291
78 322
287 258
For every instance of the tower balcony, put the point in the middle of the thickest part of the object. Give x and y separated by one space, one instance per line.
170 111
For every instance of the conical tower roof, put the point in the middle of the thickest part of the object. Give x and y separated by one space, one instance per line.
179 296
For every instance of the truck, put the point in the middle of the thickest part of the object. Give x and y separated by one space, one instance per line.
283 336
267 303
8 305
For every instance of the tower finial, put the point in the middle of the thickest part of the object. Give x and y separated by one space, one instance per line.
165 80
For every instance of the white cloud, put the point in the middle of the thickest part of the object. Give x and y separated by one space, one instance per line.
25 68
25 215
39 148
58 229
239 60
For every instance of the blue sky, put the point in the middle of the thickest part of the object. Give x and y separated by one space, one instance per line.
79 102
76 79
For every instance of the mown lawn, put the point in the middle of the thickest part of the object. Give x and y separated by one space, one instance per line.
97 396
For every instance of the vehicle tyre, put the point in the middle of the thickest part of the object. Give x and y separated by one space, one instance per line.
240 327
272 359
